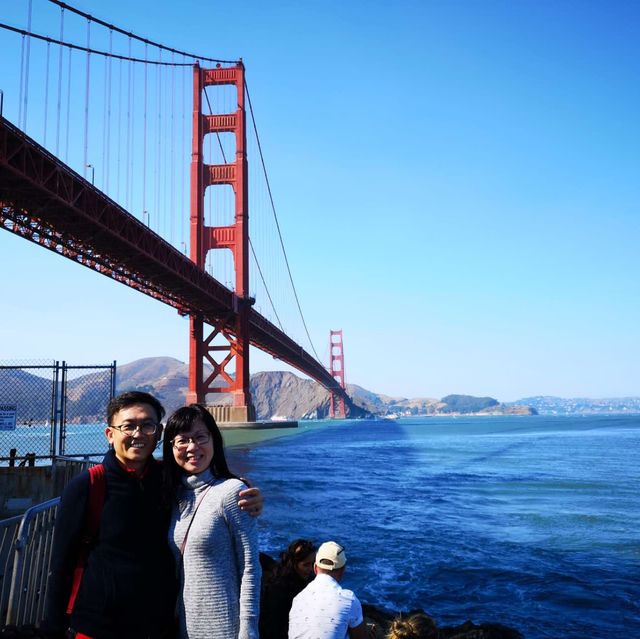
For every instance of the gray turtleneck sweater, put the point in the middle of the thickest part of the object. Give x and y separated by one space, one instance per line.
220 570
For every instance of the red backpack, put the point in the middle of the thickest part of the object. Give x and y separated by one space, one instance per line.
97 490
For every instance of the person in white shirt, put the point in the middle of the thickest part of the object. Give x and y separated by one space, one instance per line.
325 610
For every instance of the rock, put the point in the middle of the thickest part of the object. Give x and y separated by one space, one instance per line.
382 618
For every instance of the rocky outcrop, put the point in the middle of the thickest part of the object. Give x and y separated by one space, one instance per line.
467 630
508 409
282 394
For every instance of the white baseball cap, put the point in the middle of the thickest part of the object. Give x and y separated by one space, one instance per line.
330 556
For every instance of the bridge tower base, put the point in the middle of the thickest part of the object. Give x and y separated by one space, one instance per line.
226 342
336 368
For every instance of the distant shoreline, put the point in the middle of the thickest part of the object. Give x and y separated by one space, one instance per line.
239 437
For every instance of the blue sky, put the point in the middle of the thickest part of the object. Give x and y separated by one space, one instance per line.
456 182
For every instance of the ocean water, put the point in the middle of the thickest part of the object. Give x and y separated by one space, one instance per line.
533 522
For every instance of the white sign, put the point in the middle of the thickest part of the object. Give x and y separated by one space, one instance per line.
8 416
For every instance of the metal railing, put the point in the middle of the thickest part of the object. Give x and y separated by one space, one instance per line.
8 535
32 554
25 552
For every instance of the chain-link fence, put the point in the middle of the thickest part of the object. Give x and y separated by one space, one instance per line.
86 391
52 409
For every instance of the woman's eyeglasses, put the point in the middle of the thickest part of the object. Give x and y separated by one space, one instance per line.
182 443
129 428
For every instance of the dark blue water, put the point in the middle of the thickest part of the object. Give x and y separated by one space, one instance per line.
528 521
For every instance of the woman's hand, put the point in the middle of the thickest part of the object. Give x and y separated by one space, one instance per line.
251 501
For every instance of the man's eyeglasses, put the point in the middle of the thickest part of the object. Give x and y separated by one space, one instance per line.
182 443
146 428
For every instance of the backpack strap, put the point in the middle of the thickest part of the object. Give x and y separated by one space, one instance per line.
97 490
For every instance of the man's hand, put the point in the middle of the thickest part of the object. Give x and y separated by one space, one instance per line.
251 501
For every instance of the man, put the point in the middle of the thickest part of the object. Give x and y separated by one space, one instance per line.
128 587
324 610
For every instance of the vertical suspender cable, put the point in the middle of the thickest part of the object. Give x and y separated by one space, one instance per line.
21 91
134 147
66 142
129 161
46 93
104 122
109 82
119 135
60 82
86 101
26 71
172 157
23 71
157 160
183 146
144 143
275 217
106 147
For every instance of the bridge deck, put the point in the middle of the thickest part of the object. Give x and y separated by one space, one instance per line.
45 201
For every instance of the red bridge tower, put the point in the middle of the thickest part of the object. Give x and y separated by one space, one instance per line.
336 368
233 332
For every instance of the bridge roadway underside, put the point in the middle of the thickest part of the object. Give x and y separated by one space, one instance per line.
46 202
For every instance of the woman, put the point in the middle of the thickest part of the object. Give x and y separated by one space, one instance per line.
288 578
215 544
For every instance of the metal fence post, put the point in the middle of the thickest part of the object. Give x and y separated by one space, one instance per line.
63 410
54 408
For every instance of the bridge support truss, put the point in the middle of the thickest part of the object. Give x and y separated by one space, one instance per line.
233 331
336 368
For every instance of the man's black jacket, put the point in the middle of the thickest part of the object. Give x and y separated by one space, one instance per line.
128 588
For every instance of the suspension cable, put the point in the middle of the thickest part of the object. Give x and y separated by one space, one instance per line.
275 216
265 286
70 45
137 37
255 257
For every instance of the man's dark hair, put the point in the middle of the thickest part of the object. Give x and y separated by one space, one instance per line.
124 400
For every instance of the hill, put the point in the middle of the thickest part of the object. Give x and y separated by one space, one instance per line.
275 394
549 405
283 394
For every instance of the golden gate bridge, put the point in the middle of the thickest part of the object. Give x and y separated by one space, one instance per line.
167 132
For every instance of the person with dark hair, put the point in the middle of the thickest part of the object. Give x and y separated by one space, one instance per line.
214 543
287 579
127 588
415 626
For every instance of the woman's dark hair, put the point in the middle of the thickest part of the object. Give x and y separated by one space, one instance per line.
297 551
180 422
